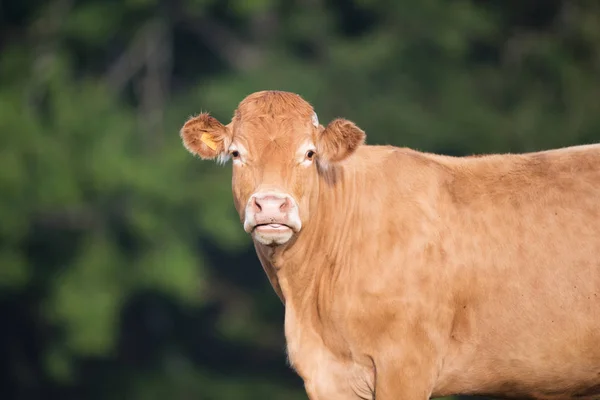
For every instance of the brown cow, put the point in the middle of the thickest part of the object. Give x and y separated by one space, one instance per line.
407 275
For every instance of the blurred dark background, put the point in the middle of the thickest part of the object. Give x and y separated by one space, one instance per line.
124 271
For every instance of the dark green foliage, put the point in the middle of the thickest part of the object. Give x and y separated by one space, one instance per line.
124 270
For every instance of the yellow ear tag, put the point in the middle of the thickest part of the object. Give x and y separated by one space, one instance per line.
207 140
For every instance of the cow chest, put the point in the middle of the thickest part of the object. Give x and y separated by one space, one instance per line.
326 375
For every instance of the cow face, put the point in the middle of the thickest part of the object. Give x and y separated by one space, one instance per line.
278 151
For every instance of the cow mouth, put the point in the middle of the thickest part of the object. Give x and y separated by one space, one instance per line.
272 234
271 227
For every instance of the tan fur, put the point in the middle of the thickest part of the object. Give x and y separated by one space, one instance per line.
339 140
419 275
191 134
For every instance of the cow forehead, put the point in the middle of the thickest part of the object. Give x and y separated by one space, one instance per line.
273 149
273 119
273 134
268 129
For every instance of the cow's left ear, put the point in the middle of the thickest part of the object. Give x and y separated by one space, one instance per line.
206 136
339 140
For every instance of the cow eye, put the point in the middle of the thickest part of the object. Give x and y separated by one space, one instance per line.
310 154
235 154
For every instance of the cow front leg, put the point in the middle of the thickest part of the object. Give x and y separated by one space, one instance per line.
403 379
337 381
324 388
328 391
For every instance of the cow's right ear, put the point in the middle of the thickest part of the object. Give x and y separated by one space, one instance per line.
206 136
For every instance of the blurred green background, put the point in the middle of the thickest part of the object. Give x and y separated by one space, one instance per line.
124 271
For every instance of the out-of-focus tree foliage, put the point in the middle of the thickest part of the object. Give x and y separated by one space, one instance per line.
124 271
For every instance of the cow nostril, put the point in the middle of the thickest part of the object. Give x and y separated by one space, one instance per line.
256 205
285 205
269 204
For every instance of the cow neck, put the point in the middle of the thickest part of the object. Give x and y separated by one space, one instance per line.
316 255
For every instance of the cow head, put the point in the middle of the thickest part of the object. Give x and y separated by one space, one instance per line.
278 150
